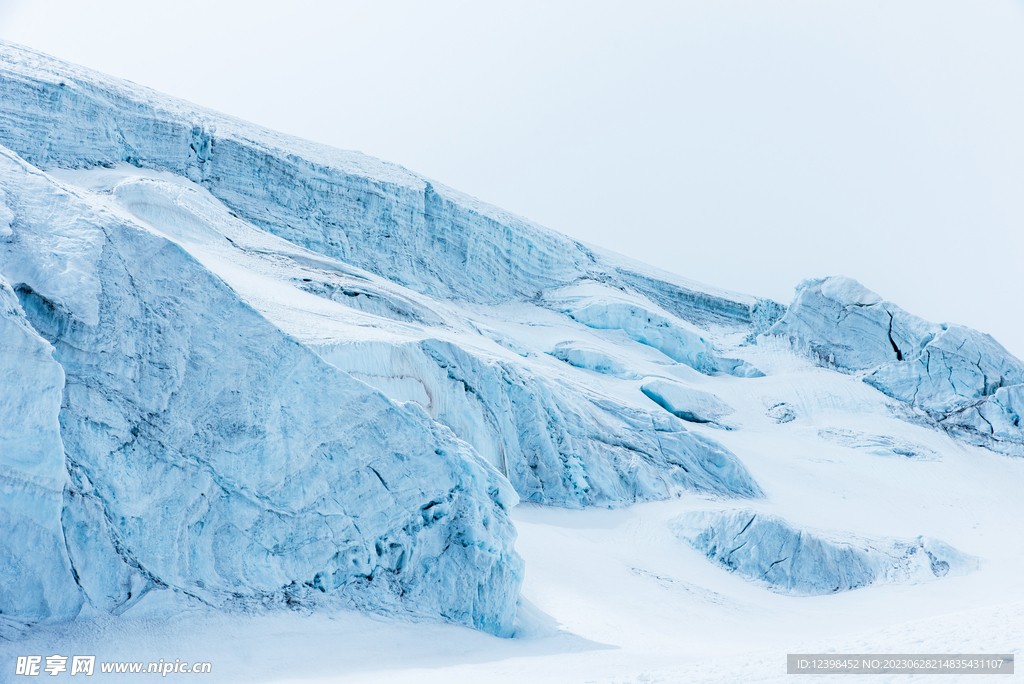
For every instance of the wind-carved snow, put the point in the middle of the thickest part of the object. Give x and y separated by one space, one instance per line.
960 378
767 549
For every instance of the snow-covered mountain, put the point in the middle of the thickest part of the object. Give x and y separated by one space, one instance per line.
245 371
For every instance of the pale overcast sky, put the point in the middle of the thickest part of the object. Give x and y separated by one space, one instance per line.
744 143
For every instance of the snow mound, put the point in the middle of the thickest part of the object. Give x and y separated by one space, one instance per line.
688 403
962 379
767 549
591 358
878 445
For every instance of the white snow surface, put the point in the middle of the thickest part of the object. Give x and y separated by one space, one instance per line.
313 418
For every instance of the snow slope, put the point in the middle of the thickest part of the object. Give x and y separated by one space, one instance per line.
246 375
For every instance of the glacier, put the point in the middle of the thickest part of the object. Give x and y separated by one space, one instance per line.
249 372
556 445
280 374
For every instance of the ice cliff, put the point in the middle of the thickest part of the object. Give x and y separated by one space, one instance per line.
690 404
207 453
363 211
35 573
963 380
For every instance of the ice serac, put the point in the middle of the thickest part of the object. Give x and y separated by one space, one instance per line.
962 379
602 307
559 441
369 213
700 304
419 236
557 445
212 455
789 560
